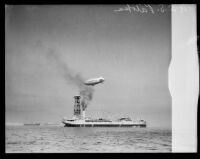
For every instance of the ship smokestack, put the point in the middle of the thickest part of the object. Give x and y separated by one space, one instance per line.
77 106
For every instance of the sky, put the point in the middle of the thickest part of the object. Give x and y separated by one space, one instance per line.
131 50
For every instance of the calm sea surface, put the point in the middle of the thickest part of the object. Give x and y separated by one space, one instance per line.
26 139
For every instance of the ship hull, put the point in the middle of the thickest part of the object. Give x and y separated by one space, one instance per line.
104 125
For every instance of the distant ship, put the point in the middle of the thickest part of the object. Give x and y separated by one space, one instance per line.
79 119
31 124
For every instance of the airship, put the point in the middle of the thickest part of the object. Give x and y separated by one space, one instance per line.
94 81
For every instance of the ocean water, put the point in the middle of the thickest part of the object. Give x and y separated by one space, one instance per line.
56 139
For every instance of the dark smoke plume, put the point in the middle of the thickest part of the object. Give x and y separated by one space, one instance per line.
86 92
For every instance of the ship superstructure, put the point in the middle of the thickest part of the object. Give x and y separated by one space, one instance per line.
80 120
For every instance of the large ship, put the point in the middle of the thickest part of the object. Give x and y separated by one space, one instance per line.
79 119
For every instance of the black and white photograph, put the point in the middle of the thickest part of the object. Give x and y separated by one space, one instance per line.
95 79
